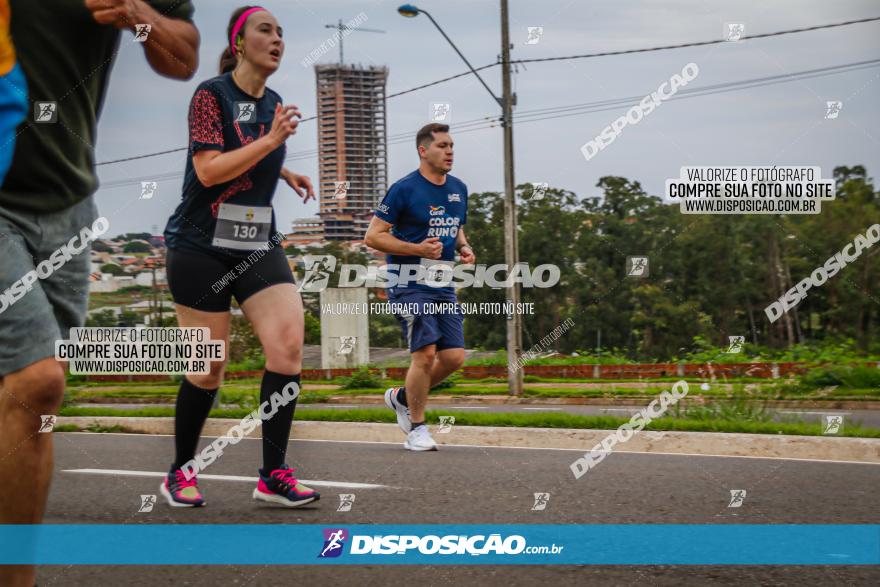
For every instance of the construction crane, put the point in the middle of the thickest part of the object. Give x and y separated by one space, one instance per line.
345 29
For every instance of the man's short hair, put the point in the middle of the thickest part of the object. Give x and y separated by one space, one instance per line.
425 135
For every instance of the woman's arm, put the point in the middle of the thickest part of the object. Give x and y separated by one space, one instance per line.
215 167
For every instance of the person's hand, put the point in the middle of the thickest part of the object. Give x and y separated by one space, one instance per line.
283 125
119 13
301 184
431 248
467 255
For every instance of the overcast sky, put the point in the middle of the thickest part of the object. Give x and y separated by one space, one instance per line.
781 124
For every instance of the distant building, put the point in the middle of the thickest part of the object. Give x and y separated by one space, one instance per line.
305 231
352 153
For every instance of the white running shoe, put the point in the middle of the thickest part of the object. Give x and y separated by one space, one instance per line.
402 411
419 440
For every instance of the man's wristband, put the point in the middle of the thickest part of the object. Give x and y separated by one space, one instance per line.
458 250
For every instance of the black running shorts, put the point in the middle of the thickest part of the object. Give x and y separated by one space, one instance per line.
208 282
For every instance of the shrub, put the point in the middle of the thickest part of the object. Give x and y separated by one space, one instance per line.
362 379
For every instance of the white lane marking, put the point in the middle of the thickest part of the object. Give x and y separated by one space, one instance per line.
581 450
342 484
461 408
814 413
544 409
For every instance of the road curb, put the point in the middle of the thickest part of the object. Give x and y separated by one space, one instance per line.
865 450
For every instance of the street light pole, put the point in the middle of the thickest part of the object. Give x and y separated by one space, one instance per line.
511 249
511 245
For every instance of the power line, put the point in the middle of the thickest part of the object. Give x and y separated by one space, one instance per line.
698 43
565 111
545 59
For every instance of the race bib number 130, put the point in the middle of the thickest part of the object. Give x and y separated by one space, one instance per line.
242 227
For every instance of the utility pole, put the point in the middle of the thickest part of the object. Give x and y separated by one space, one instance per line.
511 246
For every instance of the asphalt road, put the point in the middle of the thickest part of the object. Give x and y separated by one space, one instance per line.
460 485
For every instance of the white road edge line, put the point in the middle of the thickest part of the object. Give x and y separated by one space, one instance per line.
632 452
159 474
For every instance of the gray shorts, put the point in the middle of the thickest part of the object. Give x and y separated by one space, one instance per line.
32 321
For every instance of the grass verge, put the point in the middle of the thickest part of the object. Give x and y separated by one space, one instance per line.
517 420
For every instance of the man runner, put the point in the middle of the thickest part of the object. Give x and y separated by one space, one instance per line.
419 224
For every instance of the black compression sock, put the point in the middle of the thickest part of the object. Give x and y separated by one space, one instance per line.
416 425
401 396
276 430
193 405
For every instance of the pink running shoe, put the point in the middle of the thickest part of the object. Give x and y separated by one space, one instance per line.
281 487
179 492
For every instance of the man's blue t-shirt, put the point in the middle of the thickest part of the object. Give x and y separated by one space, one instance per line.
419 209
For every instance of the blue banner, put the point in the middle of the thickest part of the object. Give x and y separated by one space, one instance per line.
494 544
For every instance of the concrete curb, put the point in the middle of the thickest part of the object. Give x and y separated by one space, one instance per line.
499 400
695 400
864 450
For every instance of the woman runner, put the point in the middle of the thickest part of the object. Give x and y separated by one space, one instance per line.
222 243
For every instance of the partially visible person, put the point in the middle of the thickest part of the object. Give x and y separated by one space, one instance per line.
66 50
13 92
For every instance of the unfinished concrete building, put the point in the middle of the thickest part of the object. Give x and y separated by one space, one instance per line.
352 155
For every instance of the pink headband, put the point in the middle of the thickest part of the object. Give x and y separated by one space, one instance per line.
240 23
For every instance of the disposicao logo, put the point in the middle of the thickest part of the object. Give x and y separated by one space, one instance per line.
334 542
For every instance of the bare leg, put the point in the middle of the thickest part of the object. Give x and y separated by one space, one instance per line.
448 362
26 458
418 381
